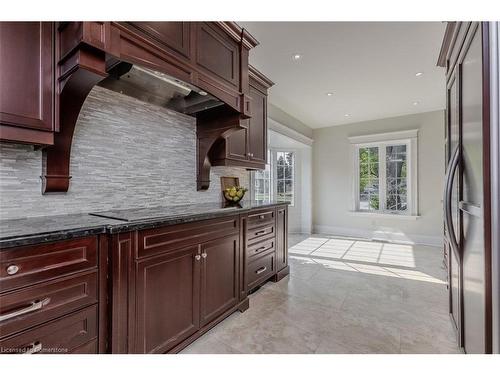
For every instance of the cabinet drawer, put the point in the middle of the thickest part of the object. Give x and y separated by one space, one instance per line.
34 305
57 337
170 238
90 347
260 270
261 218
259 234
24 266
259 248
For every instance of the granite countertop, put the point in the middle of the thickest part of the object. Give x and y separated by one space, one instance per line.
32 230
150 217
28 231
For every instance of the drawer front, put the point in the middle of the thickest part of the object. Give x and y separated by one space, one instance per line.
259 248
169 238
260 234
38 304
24 266
57 337
261 218
260 270
90 347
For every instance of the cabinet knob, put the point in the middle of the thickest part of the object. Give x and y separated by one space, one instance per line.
204 255
197 257
12 269
261 217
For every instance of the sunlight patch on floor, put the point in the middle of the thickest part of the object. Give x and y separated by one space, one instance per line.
356 250
368 257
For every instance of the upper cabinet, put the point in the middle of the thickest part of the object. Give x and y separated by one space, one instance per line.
174 37
248 147
27 82
217 54
47 69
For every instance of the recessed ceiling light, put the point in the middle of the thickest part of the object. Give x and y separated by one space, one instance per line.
329 94
418 74
296 56
347 115
416 103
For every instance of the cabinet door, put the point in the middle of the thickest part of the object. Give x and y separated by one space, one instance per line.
237 145
171 36
281 239
217 54
257 131
219 277
27 74
167 299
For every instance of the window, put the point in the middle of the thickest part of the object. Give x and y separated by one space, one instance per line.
261 184
277 180
385 179
285 176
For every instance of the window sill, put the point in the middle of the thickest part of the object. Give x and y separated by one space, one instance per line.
383 215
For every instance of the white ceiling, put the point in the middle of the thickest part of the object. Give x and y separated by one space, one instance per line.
369 66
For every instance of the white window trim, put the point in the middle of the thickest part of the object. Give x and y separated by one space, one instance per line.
274 168
270 161
273 161
407 137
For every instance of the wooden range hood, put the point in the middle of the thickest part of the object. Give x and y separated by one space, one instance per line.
212 56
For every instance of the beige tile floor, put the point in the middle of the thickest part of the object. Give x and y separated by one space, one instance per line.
344 296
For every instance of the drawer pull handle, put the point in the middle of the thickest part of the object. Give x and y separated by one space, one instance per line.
204 255
35 305
35 348
197 257
12 269
260 270
261 217
260 232
260 248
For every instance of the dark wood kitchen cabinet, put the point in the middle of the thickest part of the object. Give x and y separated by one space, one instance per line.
257 125
174 37
182 290
27 82
167 299
265 243
151 290
217 54
53 297
182 278
248 147
219 277
282 267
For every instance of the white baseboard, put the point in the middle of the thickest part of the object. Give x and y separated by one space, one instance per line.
393 237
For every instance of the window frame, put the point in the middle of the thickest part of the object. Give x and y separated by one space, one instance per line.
408 138
271 176
273 163
274 166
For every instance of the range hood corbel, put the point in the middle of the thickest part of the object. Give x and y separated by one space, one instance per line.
212 126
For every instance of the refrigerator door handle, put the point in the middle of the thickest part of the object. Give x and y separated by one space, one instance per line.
448 192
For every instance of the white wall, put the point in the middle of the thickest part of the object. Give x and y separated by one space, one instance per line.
332 181
300 214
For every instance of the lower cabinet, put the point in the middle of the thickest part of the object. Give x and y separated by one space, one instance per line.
50 300
281 242
266 246
179 292
219 277
167 299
